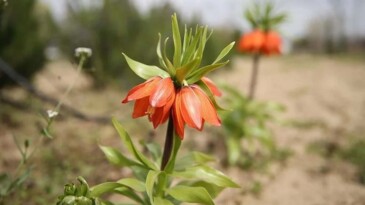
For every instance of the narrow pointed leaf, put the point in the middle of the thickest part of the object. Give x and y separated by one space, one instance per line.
199 73
127 141
103 188
192 159
191 194
133 184
168 63
161 201
159 54
150 183
145 71
117 158
207 174
125 191
224 52
177 41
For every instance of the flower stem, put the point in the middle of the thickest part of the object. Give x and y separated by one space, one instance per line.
169 141
255 71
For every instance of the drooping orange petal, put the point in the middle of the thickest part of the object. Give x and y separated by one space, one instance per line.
161 114
209 113
191 108
178 120
211 86
258 39
142 90
163 91
140 107
272 43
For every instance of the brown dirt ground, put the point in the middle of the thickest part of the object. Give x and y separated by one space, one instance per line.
324 90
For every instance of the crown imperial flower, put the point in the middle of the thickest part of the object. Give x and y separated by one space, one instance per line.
178 89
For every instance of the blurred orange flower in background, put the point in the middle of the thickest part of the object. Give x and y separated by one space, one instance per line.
261 42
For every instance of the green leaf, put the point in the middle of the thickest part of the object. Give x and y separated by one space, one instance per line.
145 71
192 159
161 201
117 158
150 183
177 41
199 73
224 52
159 54
190 194
133 184
233 149
206 174
212 189
168 63
125 191
190 50
103 188
185 70
130 146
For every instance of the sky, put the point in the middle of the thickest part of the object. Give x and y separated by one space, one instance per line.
229 13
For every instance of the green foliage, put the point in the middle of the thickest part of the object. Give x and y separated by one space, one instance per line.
263 16
248 122
194 180
355 153
24 27
188 55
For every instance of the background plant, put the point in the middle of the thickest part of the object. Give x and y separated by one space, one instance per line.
249 139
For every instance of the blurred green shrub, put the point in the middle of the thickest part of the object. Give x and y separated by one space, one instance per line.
24 32
249 139
355 153
117 26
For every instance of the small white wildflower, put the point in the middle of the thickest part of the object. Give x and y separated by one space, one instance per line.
51 113
83 51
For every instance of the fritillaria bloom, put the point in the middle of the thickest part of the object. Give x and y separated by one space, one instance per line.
189 104
261 42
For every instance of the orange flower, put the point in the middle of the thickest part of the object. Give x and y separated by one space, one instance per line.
259 41
272 43
158 97
153 98
252 42
193 107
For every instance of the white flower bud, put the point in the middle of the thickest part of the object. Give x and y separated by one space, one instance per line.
51 113
83 51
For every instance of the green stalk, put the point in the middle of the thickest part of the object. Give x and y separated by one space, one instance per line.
169 142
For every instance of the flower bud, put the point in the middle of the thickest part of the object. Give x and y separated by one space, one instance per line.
82 51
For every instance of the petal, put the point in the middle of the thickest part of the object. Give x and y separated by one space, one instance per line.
209 113
258 40
140 107
272 43
191 108
163 91
212 86
178 120
161 114
142 90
